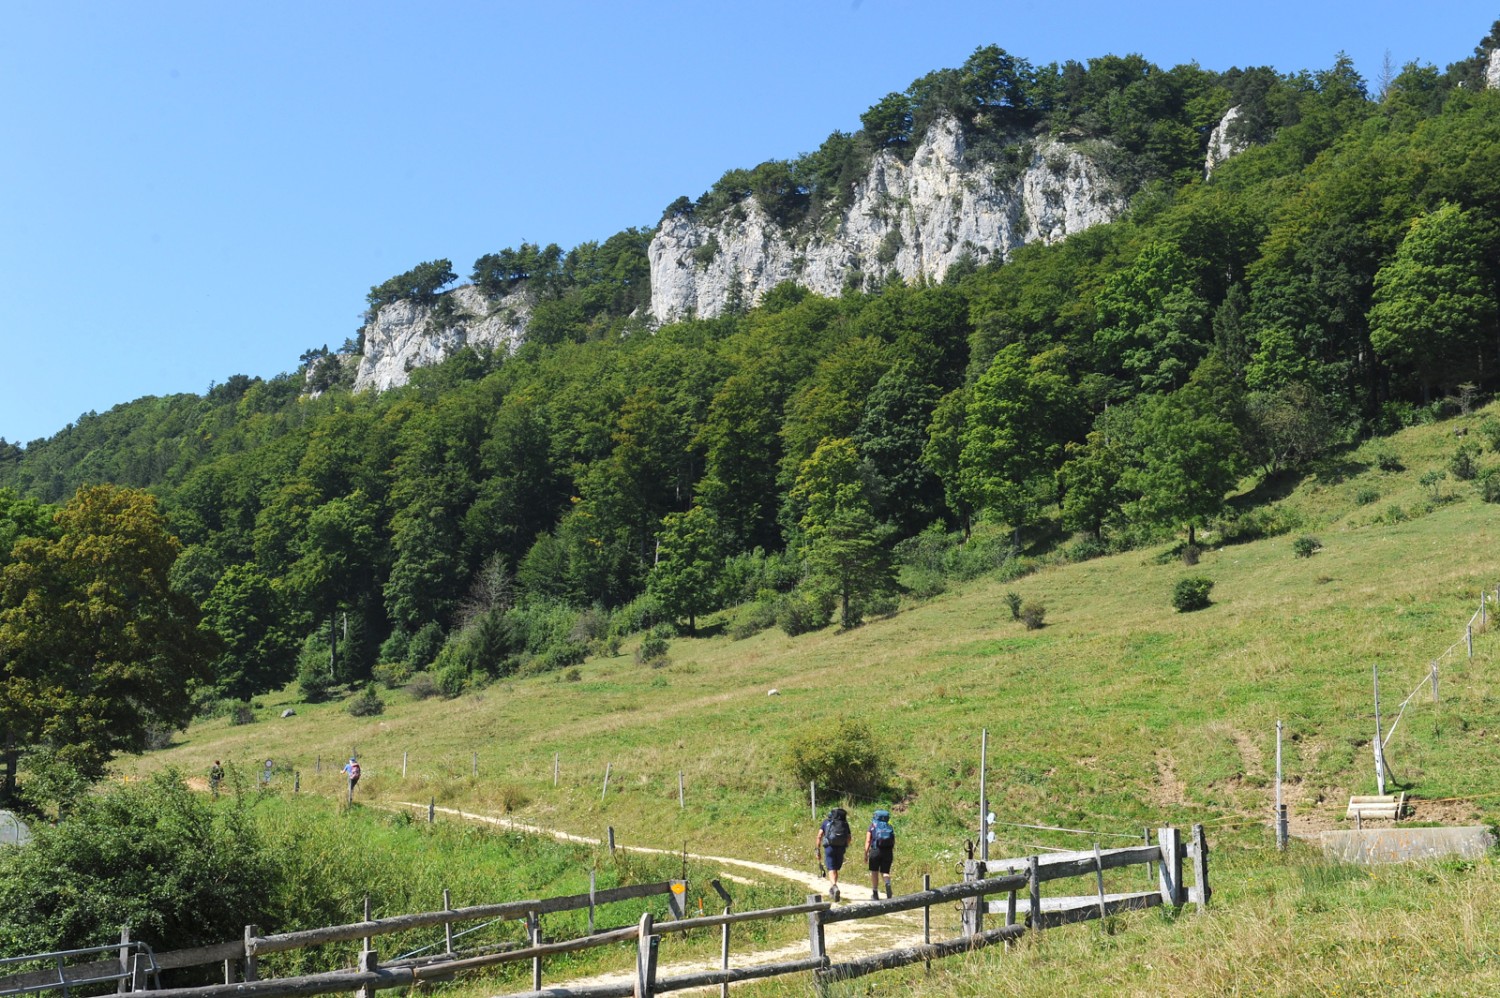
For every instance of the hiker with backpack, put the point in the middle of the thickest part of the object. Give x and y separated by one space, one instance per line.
352 769
833 838
880 850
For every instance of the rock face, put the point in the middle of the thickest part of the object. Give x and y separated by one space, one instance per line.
917 219
1492 71
405 335
1220 146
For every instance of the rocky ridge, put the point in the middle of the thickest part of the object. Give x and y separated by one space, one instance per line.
915 219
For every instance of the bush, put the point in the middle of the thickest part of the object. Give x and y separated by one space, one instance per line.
802 611
396 647
452 679
1395 514
1386 460
559 656
241 713
1086 548
1190 553
1033 614
1191 593
421 686
1489 429
391 674
1306 546
755 617
1489 486
1366 496
312 676
1464 465
424 646
652 649
1013 600
841 757
183 869
366 704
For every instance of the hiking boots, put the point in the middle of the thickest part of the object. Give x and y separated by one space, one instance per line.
874 895
833 893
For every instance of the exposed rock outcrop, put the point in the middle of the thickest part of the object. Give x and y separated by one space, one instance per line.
1220 146
1492 71
405 335
917 219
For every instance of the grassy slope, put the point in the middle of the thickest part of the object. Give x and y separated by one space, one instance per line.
1120 713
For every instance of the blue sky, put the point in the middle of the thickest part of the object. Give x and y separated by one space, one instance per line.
193 190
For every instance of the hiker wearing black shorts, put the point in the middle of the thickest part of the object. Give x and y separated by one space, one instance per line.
880 851
833 839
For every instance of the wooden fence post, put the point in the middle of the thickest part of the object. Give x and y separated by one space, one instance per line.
817 948
1034 876
927 915
534 930
1010 901
645 959
1099 877
605 792
591 902
1200 868
724 941
681 798
431 809
1434 681
973 907
403 764
447 926
812 798
556 762
610 833
1170 841
476 766
252 965
123 984
1280 807
1469 638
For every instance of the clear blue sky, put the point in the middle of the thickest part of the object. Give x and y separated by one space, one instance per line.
191 190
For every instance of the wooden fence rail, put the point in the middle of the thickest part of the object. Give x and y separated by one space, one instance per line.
1170 853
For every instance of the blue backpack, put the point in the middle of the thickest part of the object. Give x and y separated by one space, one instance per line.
881 832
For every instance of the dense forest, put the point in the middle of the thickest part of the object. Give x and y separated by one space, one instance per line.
808 459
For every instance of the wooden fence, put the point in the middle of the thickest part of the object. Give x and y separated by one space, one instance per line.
1023 874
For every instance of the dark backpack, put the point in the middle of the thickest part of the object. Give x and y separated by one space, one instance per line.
838 833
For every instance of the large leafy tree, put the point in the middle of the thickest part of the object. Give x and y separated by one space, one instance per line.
689 561
257 652
1182 459
1019 416
95 647
1434 311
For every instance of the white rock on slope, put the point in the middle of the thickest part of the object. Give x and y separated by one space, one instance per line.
917 219
402 337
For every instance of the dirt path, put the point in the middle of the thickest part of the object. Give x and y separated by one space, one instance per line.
843 940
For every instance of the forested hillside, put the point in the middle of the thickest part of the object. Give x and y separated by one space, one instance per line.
811 455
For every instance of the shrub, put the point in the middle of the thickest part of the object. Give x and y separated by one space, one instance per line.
755 617
1386 460
451 679
1366 496
1489 486
1190 553
1395 514
1464 465
1086 548
421 686
1489 429
573 675
1191 593
241 713
391 674
366 704
154 853
396 647
1013 600
424 646
1033 614
1306 546
312 676
802 611
560 656
652 649
841 757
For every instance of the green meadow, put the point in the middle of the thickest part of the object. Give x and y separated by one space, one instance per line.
1119 714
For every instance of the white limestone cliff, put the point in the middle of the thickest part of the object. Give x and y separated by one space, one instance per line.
917 219
1492 71
1220 146
405 335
